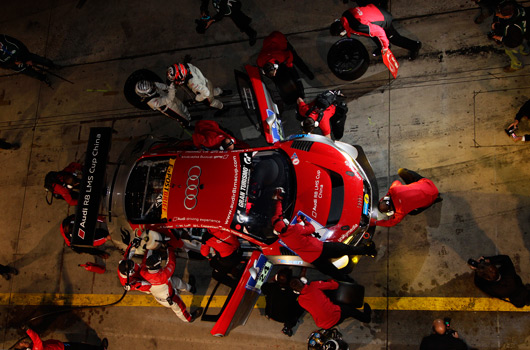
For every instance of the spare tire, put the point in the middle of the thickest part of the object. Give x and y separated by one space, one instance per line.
348 59
130 83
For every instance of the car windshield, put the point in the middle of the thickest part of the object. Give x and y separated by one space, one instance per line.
270 170
143 196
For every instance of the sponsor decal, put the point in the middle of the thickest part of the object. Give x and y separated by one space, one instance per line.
234 191
165 189
317 194
193 183
294 159
244 180
366 204
92 186
262 267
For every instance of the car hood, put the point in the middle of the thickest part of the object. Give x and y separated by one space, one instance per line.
197 194
330 189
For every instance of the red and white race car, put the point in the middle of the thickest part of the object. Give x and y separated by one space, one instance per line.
169 186
164 185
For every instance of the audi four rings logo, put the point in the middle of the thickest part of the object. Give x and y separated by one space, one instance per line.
192 187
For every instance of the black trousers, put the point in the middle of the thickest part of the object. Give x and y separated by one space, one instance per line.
336 250
396 39
347 311
241 20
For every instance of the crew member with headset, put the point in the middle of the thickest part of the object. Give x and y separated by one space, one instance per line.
415 196
129 271
223 251
325 112
209 135
165 287
300 238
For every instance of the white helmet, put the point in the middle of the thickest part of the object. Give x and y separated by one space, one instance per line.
145 88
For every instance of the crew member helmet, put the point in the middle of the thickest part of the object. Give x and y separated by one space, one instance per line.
154 262
126 267
386 206
309 124
145 88
177 73
336 28
280 225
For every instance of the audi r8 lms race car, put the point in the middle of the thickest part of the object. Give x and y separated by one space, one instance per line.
170 186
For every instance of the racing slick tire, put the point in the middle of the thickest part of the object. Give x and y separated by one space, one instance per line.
348 59
349 293
130 83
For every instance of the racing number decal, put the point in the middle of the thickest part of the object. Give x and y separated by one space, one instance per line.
165 189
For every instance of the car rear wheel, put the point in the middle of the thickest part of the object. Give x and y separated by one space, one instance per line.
348 59
130 83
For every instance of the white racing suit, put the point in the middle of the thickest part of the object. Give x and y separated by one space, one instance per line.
168 104
203 88
165 287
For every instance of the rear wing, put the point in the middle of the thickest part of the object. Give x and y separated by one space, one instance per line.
258 104
87 211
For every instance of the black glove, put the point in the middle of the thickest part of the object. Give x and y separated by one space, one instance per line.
136 242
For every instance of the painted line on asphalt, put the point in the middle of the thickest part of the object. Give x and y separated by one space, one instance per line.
377 303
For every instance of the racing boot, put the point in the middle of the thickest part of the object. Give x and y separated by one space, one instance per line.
287 331
278 193
409 176
367 314
370 250
196 314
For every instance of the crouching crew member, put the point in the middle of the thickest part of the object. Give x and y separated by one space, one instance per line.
326 112
190 76
161 97
165 287
299 238
325 313
415 196
129 271
210 135
37 343
63 184
222 249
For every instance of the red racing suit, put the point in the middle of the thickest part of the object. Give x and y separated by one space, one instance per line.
406 198
324 312
38 344
136 281
64 192
323 124
300 238
208 134
373 21
275 50
164 286
223 242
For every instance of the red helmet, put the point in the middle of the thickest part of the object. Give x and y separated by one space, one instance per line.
177 73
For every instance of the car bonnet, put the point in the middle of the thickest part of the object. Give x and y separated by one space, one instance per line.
203 189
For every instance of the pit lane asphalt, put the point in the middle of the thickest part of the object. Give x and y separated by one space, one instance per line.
443 117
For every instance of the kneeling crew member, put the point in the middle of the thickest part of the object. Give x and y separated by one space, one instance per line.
165 287
299 238
414 197
325 313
